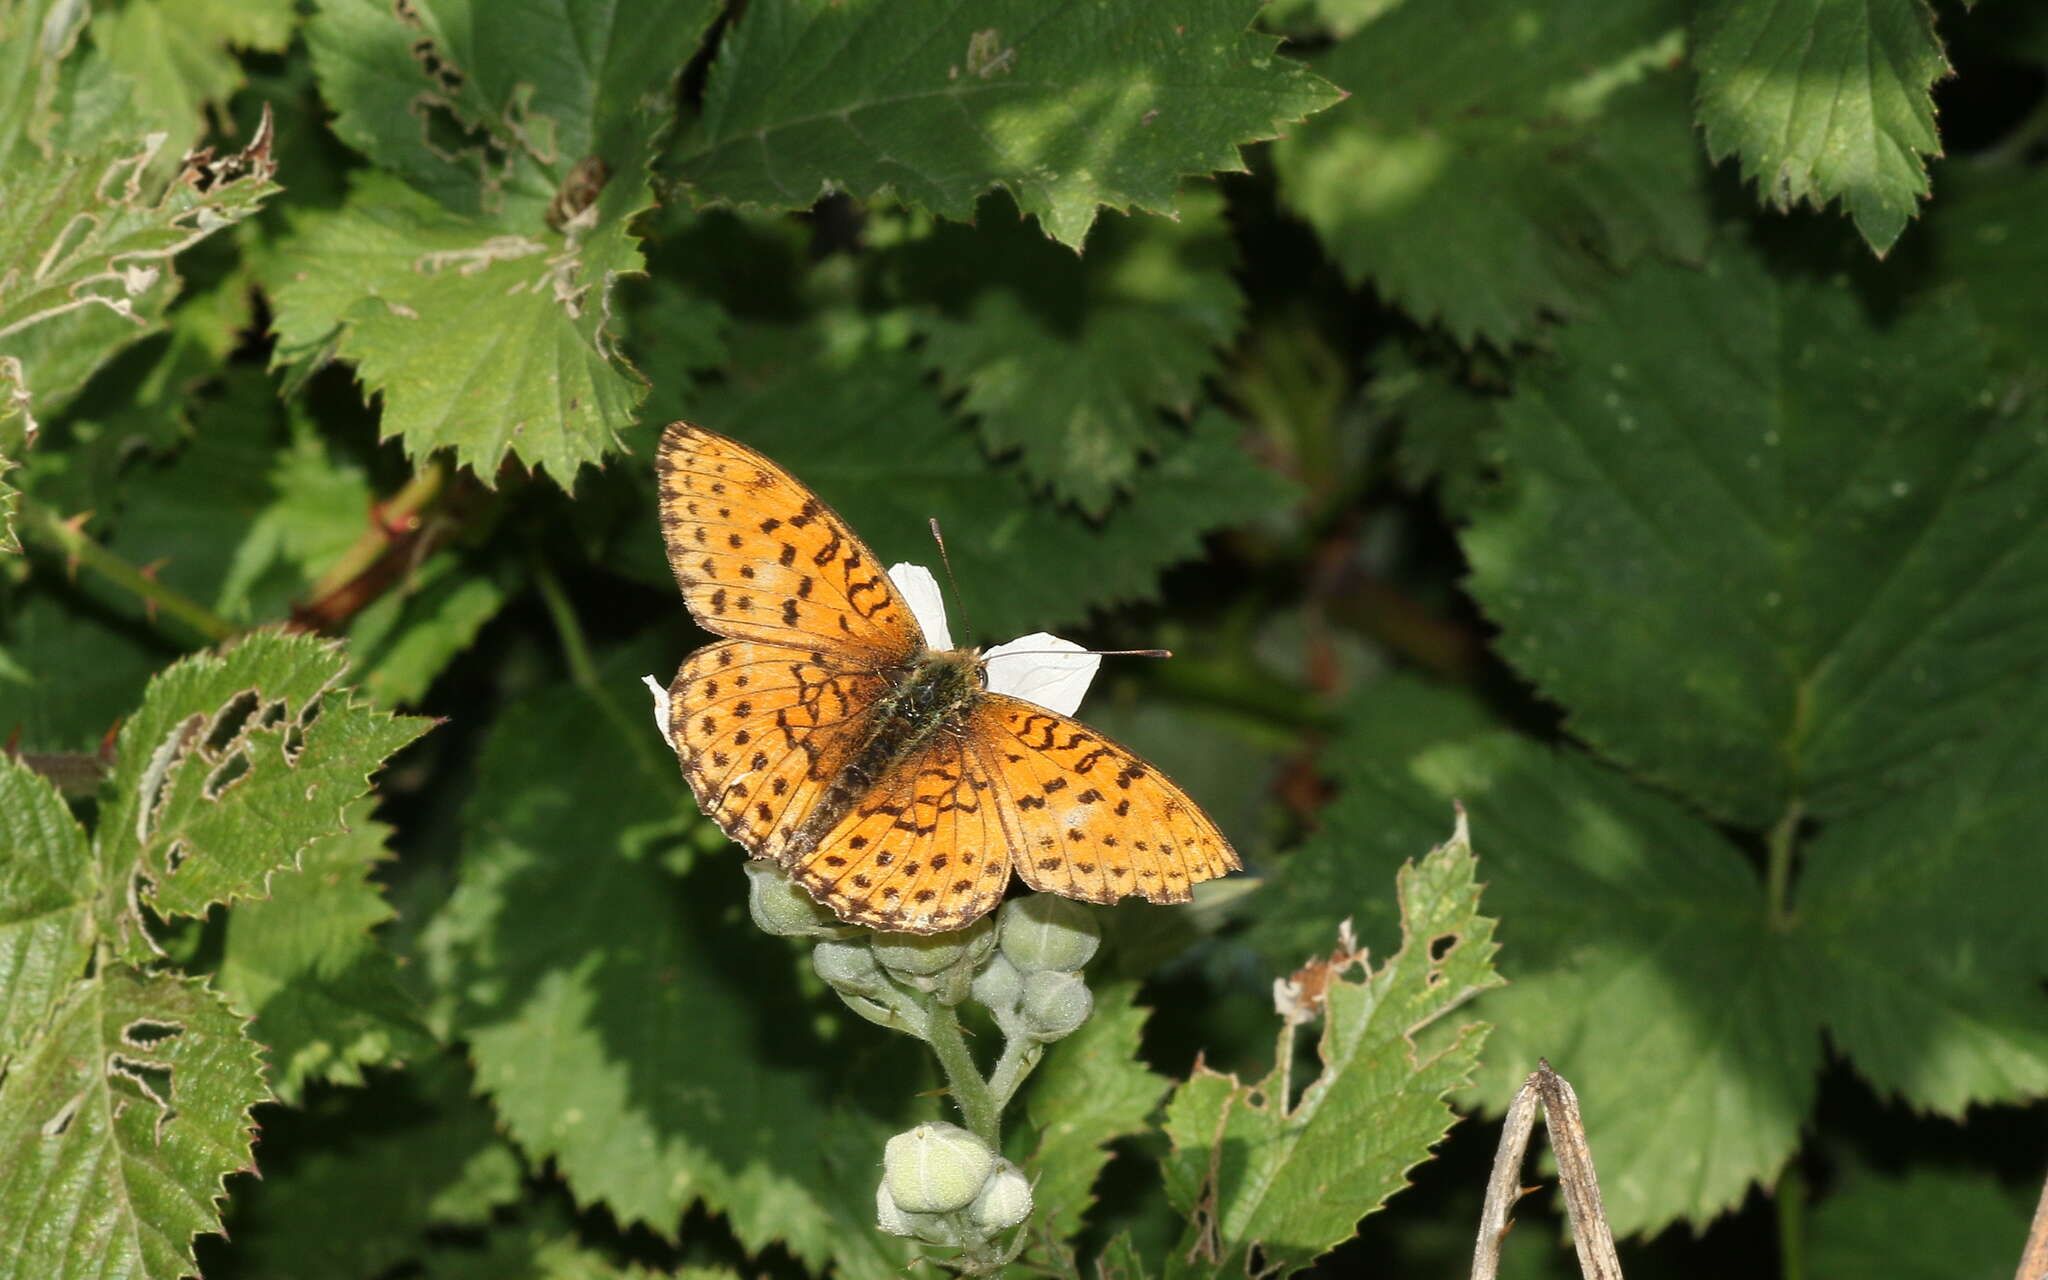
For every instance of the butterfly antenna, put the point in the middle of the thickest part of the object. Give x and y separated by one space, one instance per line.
959 601
1100 653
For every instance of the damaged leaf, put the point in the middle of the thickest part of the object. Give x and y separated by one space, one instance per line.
1270 1179
234 764
87 245
118 1125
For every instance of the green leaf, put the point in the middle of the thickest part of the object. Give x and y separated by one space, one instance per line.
47 893
872 439
1814 536
118 1124
484 337
1068 107
1069 362
409 636
1986 232
1918 924
17 431
410 1153
87 247
1824 101
1496 161
613 1039
1092 1089
179 57
234 764
1932 1224
1284 1175
324 992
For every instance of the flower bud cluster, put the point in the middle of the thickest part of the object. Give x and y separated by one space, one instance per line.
944 1186
1033 985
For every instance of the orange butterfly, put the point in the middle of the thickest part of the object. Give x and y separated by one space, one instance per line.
879 768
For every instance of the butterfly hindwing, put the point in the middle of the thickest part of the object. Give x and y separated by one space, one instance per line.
924 851
1089 819
760 557
762 732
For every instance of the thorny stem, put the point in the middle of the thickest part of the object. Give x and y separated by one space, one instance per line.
1778 871
970 1092
399 513
46 526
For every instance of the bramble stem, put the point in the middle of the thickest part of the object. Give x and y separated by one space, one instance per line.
45 526
1778 871
970 1092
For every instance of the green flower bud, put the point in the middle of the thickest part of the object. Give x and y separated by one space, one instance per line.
1045 931
935 1168
780 906
914 955
932 1228
849 968
1054 1003
999 984
1005 1199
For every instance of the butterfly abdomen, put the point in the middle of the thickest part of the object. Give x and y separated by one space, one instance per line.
931 697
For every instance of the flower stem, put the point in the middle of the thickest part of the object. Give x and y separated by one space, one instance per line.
970 1092
1020 1055
45 526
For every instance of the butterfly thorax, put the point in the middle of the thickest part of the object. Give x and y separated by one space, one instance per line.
928 696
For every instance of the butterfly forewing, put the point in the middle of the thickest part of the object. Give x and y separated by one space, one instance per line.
761 557
925 851
763 730
1088 819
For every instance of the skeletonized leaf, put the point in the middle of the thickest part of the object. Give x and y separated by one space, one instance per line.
118 1125
233 765
87 245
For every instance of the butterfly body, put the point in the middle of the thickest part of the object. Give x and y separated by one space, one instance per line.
887 776
929 697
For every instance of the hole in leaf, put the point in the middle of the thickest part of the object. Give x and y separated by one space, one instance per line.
174 857
55 1126
151 1079
147 1033
294 743
1441 946
309 713
229 720
272 714
226 774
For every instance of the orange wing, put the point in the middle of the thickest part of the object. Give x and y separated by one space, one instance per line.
925 851
763 731
1086 818
761 557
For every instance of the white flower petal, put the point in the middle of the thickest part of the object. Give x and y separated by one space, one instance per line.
660 709
1045 669
921 592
